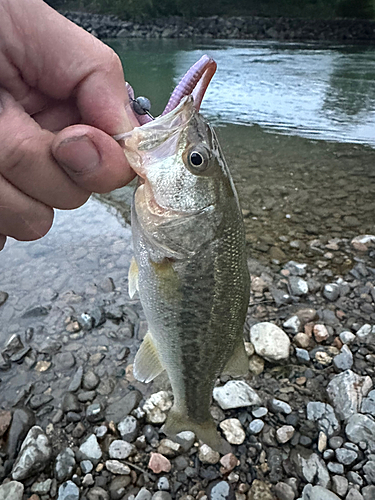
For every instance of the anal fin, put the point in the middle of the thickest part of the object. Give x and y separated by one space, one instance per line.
238 363
147 363
133 278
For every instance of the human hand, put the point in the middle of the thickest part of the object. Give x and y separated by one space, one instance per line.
62 97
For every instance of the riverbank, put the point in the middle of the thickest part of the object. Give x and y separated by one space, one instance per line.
253 28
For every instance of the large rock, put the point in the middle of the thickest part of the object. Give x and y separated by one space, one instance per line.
11 491
324 415
235 394
311 492
361 428
34 455
346 391
270 341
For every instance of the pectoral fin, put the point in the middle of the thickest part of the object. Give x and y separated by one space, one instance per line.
147 364
133 278
238 363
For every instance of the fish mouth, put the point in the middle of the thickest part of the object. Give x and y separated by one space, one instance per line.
195 83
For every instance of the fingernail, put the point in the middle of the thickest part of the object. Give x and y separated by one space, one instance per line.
78 155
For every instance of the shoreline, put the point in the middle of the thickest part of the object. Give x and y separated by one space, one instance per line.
240 27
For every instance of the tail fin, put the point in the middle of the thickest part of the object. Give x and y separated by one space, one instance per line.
205 431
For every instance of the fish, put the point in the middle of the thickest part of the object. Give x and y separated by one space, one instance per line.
189 266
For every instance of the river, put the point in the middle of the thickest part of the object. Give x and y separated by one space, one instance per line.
296 122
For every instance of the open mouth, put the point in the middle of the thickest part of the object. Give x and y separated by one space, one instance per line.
194 82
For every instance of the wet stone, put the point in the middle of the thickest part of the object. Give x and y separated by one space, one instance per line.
23 419
270 341
85 396
39 400
207 455
34 455
235 394
90 449
120 449
70 403
158 463
143 494
128 428
65 463
335 468
5 420
284 491
256 426
64 361
344 360
220 490
12 490
233 431
90 381
278 406
94 413
340 485
75 383
79 430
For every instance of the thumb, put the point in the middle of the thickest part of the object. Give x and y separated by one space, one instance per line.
91 158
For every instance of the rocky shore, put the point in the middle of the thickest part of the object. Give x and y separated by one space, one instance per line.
75 425
253 28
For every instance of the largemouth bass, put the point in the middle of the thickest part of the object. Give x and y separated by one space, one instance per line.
189 264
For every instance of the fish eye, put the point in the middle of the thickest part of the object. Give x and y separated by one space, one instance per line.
196 159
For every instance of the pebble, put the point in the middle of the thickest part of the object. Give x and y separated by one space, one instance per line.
163 484
228 462
344 360
5 420
220 490
256 364
157 406
363 242
128 428
270 341
169 448
65 463
91 450
86 466
353 494
161 495
42 488
235 394
292 325
331 291
311 492
117 467
88 480
120 450
97 493
34 455
143 494
368 492
302 355
11 491
285 434
76 381
320 333
302 340
278 406
207 455
256 426
324 415
347 337
90 381
233 431
314 470
298 286
346 457
335 468
94 412
260 412
340 485
3 297
361 428
185 439
368 404
365 332
68 491
346 391
284 491
260 491
158 463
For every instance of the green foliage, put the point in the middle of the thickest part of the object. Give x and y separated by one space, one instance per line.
360 9
315 9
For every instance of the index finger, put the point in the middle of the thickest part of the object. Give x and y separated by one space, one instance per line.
62 60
